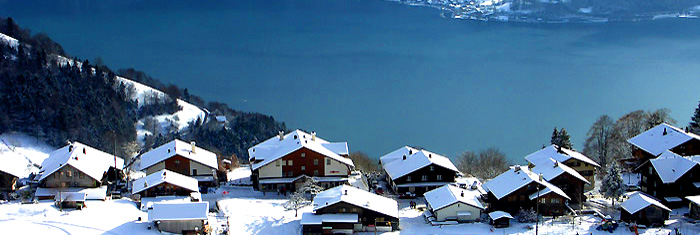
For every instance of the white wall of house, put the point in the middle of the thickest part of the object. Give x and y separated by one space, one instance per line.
451 211
201 168
336 168
273 169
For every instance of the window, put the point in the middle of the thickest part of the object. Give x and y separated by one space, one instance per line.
303 168
69 174
177 162
650 170
424 178
82 175
439 177
54 176
555 200
408 178
522 197
315 172
194 171
644 179
543 200
432 168
315 162
277 163
284 162
342 210
512 198
328 161
289 163
303 154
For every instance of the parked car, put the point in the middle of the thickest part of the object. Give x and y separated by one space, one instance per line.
407 195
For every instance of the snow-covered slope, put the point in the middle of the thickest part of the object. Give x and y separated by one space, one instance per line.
9 40
21 154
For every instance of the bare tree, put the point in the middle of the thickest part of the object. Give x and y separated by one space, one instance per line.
625 128
598 142
487 164
363 162
659 116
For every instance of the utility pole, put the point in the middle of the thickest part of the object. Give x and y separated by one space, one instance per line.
537 206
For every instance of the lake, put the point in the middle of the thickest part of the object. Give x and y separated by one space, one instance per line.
382 75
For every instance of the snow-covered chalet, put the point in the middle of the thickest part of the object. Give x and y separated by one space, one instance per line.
183 158
285 161
411 170
571 158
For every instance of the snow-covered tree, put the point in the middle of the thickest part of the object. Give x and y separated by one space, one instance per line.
612 186
526 216
299 198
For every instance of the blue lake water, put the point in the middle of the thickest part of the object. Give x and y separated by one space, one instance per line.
382 75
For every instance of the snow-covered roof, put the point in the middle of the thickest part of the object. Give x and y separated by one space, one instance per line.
638 201
275 148
179 211
357 197
181 148
72 196
694 199
447 195
548 190
661 138
394 164
512 180
309 218
99 193
468 182
499 214
15 164
560 154
93 162
551 169
165 176
671 167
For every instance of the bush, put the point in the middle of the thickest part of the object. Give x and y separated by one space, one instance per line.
526 216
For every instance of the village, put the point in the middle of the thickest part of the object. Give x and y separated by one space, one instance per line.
299 183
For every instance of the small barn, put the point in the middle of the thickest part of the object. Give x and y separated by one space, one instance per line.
453 203
181 218
641 208
500 219
694 206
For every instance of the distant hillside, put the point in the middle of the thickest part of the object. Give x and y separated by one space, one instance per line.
56 98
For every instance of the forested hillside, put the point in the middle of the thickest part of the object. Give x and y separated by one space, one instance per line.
44 94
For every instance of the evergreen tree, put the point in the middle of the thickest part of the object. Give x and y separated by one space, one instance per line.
564 139
555 136
695 121
612 186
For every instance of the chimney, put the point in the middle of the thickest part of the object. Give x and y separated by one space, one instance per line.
145 184
556 163
70 148
516 168
313 136
462 194
474 185
84 152
410 151
346 192
665 133
430 155
404 157
164 174
541 176
686 129
194 146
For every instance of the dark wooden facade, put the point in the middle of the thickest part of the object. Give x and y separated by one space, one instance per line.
178 164
649 216
165 189
429 174
551 204
651 184
572 186
366 217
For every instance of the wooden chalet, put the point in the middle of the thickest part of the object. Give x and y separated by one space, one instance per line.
411 170
283 162
454 204
346 209
183 158
659 139
564 177
571 158
670 178
164 183
519 188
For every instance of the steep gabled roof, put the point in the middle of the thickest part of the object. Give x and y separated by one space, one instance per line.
94 163
516 178
15 164
357 197
447 195
551 169
394 164
275 148
638 201
165 176
671 166
559 154
179 211
181 148
661 138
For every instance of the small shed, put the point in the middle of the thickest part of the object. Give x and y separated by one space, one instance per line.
500 219
181 218
71 200
643 209
694 206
